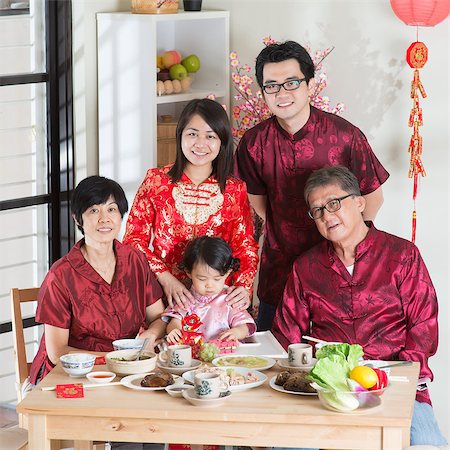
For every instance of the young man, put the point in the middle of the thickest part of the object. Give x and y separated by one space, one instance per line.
276 157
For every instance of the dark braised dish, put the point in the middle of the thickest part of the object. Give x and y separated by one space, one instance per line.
295 382
157 379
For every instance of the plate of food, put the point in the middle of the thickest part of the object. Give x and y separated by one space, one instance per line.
153 381
237 378
292 383
247 361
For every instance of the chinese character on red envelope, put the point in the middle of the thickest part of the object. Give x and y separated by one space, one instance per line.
69 390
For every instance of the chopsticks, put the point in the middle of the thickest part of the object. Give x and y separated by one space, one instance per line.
85 385
313 339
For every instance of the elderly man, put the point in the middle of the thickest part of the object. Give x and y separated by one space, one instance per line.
362 286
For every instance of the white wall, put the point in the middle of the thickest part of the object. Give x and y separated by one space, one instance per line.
367 71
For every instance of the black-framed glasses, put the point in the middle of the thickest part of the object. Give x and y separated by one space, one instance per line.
331 206
290 85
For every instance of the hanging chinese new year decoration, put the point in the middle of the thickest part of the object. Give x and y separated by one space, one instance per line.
416 56
418 13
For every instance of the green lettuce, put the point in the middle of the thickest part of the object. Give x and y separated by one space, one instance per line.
331 372
352 353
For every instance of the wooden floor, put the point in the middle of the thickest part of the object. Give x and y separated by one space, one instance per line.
8 417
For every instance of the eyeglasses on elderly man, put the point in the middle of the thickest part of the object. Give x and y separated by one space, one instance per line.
331 206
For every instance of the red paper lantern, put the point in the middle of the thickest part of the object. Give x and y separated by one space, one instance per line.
424 13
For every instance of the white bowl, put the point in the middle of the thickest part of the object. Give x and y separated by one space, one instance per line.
124 344
77 364
121 363
100 377
349 402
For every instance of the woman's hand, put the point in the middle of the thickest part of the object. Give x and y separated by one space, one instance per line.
174 336
174 290
238 297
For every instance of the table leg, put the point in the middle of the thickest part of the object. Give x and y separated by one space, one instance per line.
37 434
83 445
392 438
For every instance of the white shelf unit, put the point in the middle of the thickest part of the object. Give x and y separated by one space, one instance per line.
128 105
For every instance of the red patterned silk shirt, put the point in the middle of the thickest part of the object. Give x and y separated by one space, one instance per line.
277 164
388 305
74 296
170 215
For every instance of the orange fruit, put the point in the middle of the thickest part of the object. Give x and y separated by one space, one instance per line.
365 376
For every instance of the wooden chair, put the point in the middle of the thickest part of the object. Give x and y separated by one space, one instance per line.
13 438
22 366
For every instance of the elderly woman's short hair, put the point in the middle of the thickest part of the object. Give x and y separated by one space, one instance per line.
339 175
96 190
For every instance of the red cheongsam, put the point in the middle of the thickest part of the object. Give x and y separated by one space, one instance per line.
172 214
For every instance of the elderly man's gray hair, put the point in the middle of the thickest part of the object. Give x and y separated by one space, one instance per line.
339 175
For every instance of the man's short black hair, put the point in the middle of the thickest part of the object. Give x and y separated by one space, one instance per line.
275 53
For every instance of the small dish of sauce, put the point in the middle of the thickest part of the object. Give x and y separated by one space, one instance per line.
100 377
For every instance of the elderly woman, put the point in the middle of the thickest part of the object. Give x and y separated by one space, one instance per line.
101 290
362 286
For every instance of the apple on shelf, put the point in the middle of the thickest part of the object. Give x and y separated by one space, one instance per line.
174 72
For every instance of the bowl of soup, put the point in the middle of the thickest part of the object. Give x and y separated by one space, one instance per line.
123 362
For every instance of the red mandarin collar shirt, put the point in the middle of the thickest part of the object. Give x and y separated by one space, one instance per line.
170 215
388 305
74 296
277 164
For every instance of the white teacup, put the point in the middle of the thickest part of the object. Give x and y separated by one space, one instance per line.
299 355
177 356
209 385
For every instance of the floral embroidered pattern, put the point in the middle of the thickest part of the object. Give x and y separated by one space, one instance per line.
197 204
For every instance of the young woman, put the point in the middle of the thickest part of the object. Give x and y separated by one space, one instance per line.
208 261
195 196
101 290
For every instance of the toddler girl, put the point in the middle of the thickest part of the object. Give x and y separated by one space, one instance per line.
208 261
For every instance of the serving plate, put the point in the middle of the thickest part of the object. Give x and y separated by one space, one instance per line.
284 363
189 377
190 395
179 370
134 382
281 389
246 361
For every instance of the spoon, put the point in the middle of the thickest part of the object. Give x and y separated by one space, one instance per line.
139 353
401 363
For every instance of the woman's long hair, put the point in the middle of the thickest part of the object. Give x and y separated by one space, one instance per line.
215 116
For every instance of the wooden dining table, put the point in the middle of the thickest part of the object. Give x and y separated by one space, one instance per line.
260 416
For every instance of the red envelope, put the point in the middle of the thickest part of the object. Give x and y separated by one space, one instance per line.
100 360
69 390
